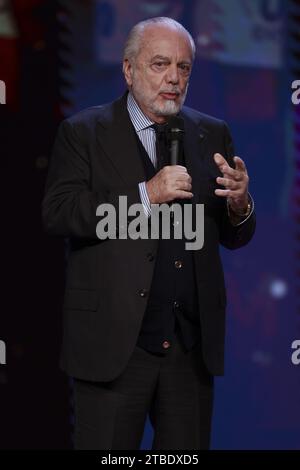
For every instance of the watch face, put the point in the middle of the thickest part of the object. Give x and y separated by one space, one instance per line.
247 212
241 213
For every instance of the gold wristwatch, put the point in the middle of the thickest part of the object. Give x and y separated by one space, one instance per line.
242 213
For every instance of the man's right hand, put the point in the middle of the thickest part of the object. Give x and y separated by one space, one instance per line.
171 182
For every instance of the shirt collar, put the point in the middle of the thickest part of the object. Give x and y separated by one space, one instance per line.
139 120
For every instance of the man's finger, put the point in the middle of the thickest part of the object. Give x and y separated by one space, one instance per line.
231 173
235 175
228 183
180 194
223 192
220 161
239 164
183 177
180 167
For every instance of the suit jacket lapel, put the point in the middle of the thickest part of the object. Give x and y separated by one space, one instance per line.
117 140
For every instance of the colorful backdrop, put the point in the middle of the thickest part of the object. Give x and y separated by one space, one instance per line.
248 53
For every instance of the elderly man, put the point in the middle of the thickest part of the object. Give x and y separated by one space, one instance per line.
144 319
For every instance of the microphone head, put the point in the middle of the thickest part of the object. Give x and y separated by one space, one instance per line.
176 127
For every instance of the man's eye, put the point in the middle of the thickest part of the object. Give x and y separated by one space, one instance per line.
160 65
185 68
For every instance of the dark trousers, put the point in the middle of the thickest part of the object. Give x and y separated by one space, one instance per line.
176 391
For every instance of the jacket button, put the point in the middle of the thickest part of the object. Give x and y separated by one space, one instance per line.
166 344
150 256
143 293
178 264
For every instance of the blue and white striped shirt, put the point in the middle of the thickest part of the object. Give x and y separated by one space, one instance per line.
147 136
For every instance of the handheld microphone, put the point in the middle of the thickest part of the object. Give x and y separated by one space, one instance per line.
176 133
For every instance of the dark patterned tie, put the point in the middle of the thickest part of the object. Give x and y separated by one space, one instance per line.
162 147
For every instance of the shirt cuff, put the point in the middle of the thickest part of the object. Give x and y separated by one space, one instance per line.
241 220
145 198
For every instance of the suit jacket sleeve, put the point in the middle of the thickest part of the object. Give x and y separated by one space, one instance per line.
69 204
234 236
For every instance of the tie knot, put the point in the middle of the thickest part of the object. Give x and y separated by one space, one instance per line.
160 129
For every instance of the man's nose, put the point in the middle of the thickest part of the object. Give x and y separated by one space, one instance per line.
172 74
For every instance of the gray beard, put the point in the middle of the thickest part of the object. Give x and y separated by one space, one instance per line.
169 108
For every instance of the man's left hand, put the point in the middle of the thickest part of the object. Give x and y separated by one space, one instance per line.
235 182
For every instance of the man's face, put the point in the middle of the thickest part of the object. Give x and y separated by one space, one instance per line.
158 78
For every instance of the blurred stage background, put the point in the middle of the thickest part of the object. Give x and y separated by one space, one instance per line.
58 57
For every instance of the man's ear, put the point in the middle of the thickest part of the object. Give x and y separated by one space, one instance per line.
127 70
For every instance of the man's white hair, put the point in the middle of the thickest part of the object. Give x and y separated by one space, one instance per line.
134 39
